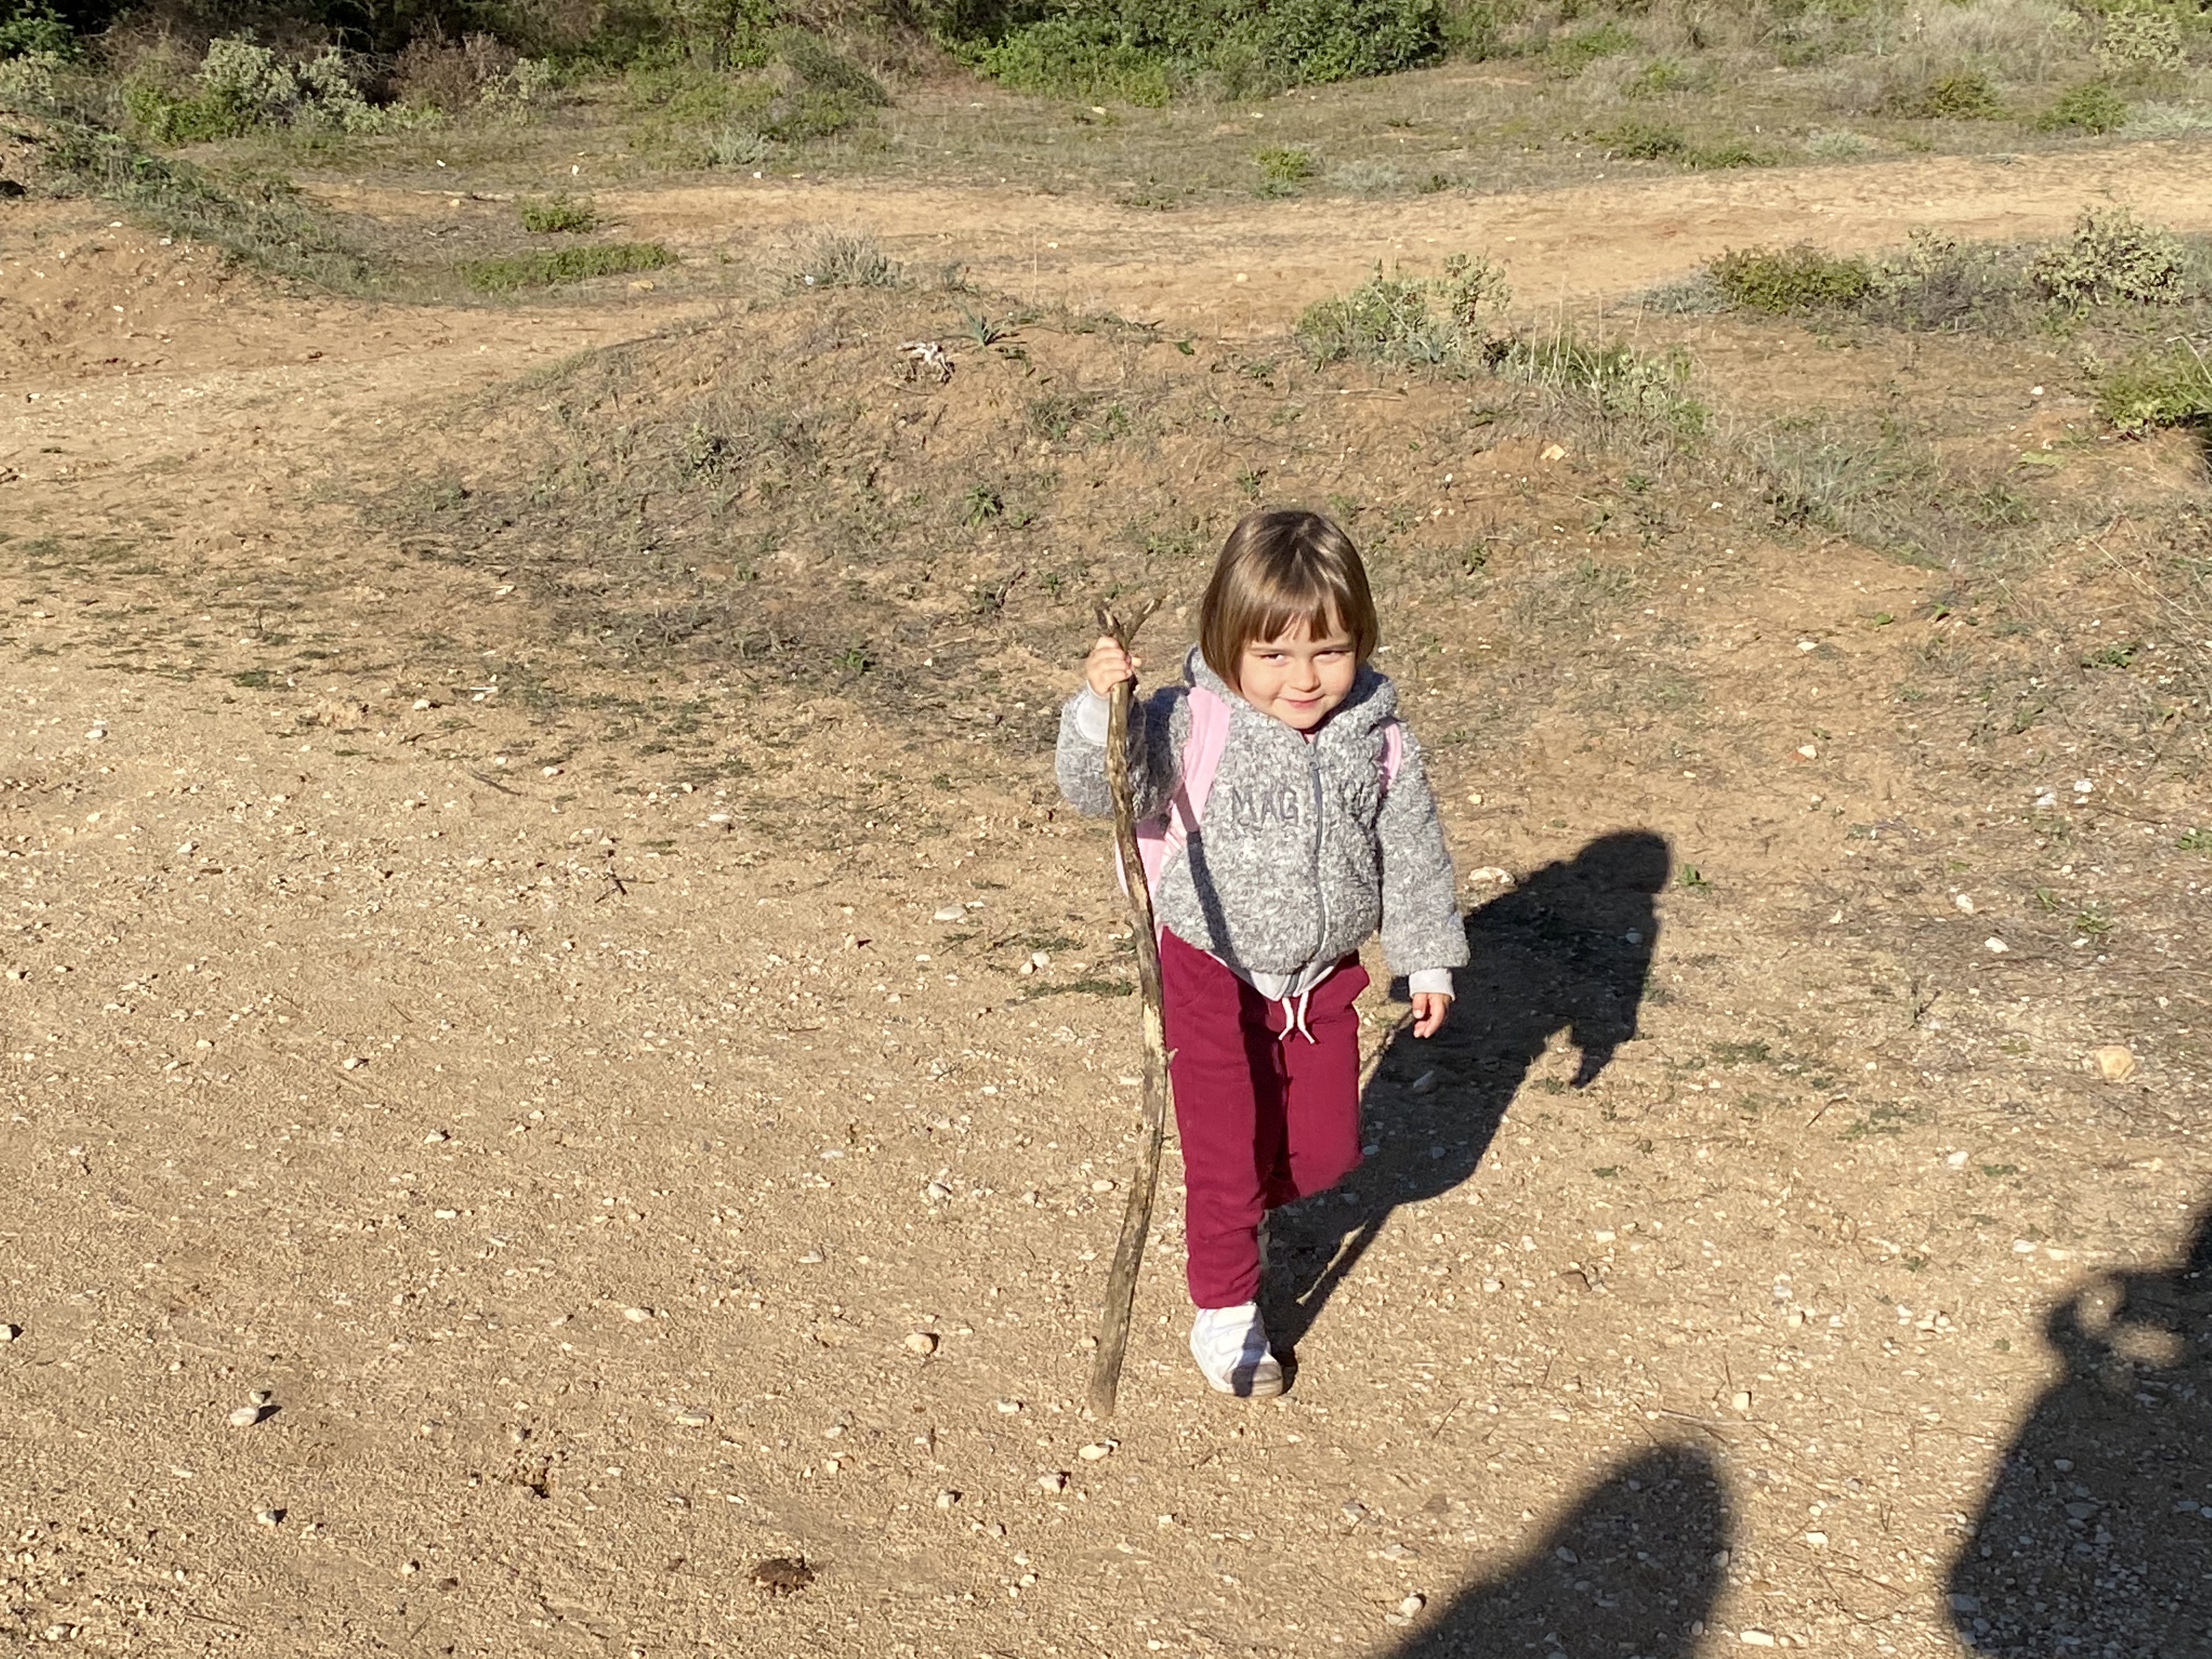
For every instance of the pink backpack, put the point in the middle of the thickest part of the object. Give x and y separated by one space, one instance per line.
1160 838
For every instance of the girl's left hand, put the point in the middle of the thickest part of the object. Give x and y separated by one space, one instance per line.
1430 1008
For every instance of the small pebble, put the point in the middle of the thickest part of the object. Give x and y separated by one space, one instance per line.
694 1417
947 1499
936 1192
1994 945
1756 1638
1424 1085
1740 1400
1352 1510
950 913
1010 1406
246 1417
637 1316
2115 1064
436 1138
1097 1450
10 1332
921 1342
1054 1482
1413 1604
268 1517
1964 902
1101 1185
261 1397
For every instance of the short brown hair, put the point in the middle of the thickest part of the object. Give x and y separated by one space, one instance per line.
1279 567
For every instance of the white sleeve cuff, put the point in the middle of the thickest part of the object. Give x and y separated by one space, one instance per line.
1090 711
1437 981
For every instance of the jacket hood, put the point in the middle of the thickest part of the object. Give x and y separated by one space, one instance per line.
1373 699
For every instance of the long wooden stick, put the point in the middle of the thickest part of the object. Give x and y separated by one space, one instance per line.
1137 1218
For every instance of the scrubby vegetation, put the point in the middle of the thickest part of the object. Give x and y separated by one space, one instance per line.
1937 281
545 268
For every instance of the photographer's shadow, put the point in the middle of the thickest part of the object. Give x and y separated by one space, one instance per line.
2096 1535
1566 951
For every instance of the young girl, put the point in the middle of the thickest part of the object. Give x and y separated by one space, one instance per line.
1316 827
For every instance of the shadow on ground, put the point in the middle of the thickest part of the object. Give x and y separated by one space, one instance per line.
1633 1569
2096 1537
1567 951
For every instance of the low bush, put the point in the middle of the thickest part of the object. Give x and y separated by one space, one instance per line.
477 74
2169 386
31 29
1093 49
1780 281
1611 384
2135 35
1409 320
838 259
2112 259
1937 283
513 272
555 212
1645 141
805 88
2092 106
1963 96
1284 164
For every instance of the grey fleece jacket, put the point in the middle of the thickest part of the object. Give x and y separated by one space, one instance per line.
1301 853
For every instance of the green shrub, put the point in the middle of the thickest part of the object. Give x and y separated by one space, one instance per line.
1284 164
1936 282
2139 34
817 66
1779 281
555 213
2169 386
2093 106
31 29
1097 49
2112 259
1645 141
1966 96
1571 54
1728 153
1658 79
1399 318
509 273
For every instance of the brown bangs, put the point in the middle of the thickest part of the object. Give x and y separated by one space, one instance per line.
1279 568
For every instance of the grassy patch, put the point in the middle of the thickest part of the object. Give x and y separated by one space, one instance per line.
559 212
1962 96
2092 107
2168 385
1779 281
258 222
510 273
838 259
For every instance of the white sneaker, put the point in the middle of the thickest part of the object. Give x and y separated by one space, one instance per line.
1231 1346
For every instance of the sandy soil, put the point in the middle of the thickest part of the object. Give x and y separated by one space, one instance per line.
608 1173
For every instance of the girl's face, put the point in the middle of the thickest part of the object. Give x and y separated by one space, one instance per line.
1296 677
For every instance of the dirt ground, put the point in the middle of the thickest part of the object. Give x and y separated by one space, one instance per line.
1758 1258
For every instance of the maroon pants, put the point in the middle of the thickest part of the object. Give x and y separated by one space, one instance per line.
1263 1119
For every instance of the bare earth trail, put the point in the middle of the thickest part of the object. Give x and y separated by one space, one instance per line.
635 1132
1241 271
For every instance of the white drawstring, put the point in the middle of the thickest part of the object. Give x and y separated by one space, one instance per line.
1294 1016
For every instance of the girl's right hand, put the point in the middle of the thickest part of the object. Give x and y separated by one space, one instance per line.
1108 665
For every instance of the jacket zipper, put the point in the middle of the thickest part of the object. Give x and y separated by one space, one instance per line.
1320 887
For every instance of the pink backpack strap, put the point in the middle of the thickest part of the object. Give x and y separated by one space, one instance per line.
1160 838
1394 751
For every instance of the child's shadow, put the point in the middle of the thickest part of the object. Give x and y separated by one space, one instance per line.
1566 951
